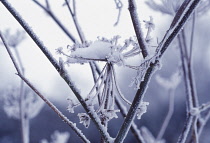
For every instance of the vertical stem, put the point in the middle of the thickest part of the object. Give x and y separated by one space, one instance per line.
168 116
137 27
135 104
124 112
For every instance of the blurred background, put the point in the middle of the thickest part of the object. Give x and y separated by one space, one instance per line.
96 18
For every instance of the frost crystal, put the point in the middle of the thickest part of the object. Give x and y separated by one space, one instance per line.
84 118
149 24
142 109
108 114
71 105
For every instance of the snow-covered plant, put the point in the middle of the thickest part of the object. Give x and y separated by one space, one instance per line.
105 87
102 103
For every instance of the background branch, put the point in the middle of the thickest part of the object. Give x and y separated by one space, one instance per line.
60 114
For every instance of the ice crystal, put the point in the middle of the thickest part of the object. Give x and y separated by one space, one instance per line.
142 109
84 119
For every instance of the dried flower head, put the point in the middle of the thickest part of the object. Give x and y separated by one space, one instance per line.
84 119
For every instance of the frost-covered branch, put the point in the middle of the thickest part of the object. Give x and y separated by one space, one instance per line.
123 110
179 20
137 27
60 114
60 70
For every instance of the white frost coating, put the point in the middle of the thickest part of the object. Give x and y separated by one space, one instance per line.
142 109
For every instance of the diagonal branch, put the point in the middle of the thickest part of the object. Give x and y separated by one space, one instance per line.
93 115
52 15
60 114
178 24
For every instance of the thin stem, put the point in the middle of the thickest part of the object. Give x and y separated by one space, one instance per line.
24 122
10 53
60 114
61 71
168 116
137 27
188 124
203 122
52 15
168 38
185 71
134 128
74 16
192 36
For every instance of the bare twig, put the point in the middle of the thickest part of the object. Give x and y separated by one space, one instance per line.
137 27
60 114
203 122
74 16
168 38
63 74
168 116
57 21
